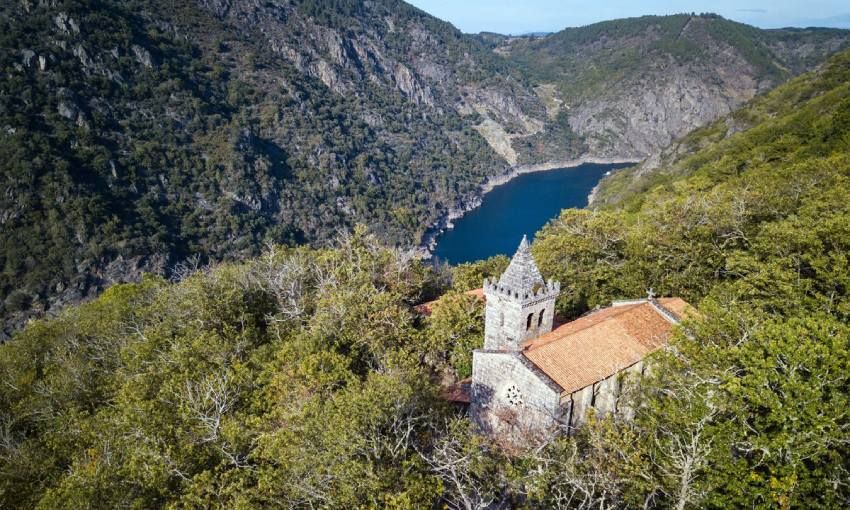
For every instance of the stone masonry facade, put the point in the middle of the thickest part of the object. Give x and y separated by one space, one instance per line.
520 398
520 305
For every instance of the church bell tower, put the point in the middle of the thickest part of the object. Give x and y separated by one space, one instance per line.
520 304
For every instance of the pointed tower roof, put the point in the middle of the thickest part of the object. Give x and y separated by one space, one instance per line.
522 273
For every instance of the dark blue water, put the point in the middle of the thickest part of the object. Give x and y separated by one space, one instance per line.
519 207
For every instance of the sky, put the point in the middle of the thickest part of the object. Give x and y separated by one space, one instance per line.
525 16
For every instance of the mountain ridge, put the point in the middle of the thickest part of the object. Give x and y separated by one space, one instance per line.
655 78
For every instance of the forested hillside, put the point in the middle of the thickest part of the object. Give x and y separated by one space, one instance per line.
137 135
305 379
628 87
774 113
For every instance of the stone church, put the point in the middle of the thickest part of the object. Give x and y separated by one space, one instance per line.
535 377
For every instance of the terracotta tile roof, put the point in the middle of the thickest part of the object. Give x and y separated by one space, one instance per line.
676 305
600 344
427 308
479 293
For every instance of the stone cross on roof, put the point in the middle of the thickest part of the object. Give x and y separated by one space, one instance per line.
522 273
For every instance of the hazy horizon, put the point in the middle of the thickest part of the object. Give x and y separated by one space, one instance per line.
514 18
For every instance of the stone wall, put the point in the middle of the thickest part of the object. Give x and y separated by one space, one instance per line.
511 399
608 396
501 315
506 319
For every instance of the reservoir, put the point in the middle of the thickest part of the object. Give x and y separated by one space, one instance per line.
521 206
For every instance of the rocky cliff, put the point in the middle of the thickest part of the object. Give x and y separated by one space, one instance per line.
630 87
753 125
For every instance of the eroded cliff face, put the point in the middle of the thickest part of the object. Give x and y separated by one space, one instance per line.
644 112
400 49
649 114
628 88
623 89
341 59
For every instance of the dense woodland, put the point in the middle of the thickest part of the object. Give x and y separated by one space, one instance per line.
305 379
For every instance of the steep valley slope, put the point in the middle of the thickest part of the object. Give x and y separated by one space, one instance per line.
627 88
789 123
135 136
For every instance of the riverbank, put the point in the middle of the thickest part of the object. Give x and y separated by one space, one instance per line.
429 240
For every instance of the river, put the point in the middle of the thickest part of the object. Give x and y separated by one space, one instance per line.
521 206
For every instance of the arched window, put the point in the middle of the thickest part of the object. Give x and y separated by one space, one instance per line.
528 321
540 319
501 318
